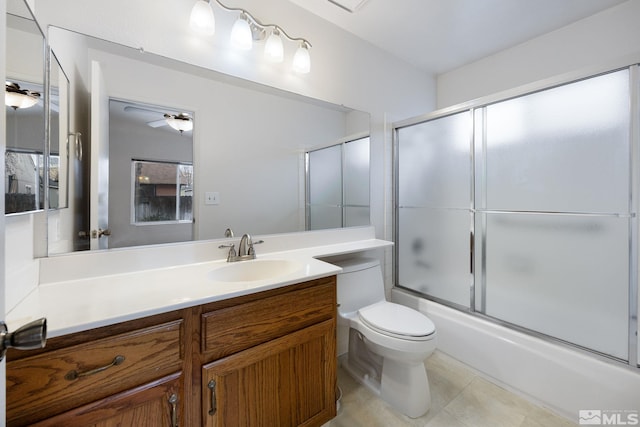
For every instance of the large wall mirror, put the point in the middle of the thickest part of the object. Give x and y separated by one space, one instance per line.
246 149
25 111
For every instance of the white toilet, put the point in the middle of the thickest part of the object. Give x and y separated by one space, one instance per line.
387 342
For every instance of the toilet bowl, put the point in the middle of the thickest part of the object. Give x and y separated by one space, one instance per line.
386 343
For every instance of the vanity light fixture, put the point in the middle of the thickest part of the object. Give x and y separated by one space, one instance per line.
273 48
15 97
181 122
301 59
248 29
202 19
241 37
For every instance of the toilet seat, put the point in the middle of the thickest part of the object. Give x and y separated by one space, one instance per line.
397 321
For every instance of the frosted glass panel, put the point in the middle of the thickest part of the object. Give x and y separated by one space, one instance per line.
434 163
325 176
321 217
356 172
433 253
565 149
356 216
565 276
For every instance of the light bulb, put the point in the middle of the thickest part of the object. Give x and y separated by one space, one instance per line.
241 37
15 97
181 122
202 19
302 60
273 49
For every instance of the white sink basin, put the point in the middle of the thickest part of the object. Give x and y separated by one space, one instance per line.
254 270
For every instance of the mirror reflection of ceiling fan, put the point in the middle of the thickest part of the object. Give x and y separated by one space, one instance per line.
181 122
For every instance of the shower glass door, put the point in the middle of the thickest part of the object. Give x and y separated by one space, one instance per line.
553 205
434 208
534 195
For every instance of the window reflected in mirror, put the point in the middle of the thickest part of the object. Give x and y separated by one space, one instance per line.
162 192
23 173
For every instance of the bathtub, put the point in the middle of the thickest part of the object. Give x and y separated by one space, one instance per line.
558 377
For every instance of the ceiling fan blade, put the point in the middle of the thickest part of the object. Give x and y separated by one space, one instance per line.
135 109
157 123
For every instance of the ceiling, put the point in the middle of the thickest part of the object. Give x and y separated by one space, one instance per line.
441 35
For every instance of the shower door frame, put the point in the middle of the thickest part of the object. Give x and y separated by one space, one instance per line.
478 105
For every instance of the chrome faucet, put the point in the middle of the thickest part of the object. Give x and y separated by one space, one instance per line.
245 249
246 246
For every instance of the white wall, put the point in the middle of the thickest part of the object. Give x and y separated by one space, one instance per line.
606 36
25 52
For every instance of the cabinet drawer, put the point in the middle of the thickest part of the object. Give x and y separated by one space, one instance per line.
232 329
56 381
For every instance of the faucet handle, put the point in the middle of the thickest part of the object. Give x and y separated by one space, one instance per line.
252 251
232 250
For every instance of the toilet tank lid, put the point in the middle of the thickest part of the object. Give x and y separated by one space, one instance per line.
350 265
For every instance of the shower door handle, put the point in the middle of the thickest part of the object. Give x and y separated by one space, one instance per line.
472 242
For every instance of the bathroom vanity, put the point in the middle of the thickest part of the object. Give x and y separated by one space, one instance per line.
197 343
267 357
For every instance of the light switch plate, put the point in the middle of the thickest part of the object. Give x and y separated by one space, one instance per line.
211 198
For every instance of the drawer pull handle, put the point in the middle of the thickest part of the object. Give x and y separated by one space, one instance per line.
212 387
74 375
173 400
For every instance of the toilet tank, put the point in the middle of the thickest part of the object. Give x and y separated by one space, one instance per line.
360 284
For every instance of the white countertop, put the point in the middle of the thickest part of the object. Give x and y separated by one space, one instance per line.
86 303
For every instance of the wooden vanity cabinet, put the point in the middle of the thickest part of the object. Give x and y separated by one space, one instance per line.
83 368
271 355
271 361
289 381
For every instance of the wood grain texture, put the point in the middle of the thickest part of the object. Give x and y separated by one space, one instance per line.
233 329
286 382
144 406
38 388
76 338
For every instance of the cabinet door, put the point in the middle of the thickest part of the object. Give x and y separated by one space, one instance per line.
155 404
289 381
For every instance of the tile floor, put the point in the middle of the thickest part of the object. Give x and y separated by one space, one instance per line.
460 398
